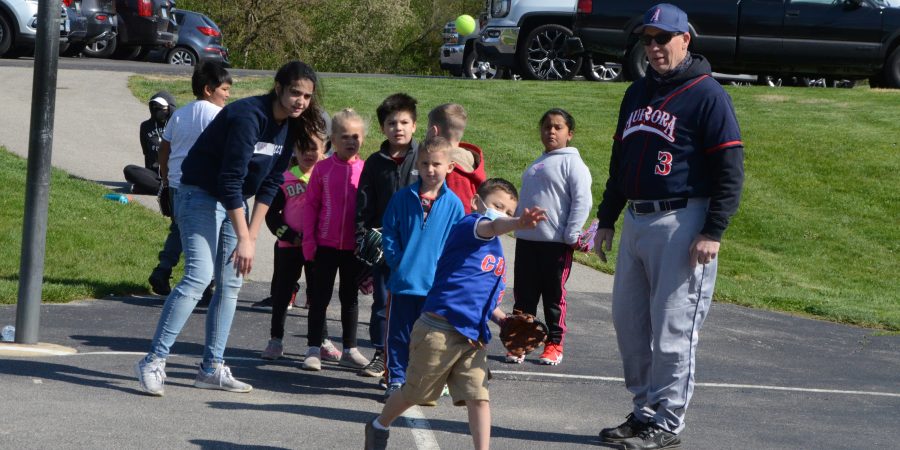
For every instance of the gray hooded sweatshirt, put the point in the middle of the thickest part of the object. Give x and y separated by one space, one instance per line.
559 182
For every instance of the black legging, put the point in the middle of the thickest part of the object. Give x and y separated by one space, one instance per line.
289 265
327 263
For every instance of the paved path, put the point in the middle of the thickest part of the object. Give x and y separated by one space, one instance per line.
765 380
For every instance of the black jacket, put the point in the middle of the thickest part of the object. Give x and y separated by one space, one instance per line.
381 177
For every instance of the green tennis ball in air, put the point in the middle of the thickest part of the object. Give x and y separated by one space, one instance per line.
465 25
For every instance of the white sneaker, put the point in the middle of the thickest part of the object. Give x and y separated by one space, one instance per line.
274 350
328 352
313 360
220 379
351 357
151 375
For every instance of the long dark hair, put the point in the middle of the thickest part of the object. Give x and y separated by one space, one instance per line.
310 122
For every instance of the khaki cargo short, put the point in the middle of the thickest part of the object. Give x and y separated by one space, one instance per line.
438 357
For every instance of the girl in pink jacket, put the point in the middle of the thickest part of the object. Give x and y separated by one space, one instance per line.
328 219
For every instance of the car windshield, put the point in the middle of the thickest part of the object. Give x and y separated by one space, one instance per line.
889 3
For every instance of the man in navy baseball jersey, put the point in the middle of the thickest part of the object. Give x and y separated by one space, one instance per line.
677 164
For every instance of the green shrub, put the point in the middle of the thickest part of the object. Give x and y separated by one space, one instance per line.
371 36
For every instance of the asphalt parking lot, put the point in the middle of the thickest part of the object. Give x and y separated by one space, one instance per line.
765 380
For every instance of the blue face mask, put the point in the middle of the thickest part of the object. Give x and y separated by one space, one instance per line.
491 213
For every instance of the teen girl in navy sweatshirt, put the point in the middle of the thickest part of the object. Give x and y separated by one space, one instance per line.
241 154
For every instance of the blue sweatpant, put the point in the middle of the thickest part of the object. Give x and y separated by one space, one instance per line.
402 313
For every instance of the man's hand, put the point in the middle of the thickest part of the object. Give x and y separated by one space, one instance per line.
603 242
531 217
703 250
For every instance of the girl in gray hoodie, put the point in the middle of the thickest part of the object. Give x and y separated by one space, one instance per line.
559 182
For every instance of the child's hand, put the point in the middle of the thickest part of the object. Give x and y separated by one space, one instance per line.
531 217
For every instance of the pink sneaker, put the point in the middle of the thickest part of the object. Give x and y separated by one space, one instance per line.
329 352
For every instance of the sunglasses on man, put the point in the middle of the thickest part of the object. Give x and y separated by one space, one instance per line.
661 38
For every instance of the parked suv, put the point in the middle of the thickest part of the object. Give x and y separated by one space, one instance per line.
90 21
776 39
141 25
199 39
528 37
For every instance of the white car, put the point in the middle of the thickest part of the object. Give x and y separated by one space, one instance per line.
18 26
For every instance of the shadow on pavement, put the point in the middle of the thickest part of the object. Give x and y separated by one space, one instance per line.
67 374
458 427
213 445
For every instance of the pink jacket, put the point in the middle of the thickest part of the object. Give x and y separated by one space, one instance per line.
294 190
328 216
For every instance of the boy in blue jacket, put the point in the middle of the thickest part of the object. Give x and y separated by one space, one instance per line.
414 228
451 334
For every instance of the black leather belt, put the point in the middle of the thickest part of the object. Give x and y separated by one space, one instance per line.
650 207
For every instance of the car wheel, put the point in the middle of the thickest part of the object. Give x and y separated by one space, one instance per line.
181 56
71 49
127 52
542 57
5 35
892 70
100 49
142 53
603 71
479 69
840 83
636 63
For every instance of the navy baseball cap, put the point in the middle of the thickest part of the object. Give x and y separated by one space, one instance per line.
666 17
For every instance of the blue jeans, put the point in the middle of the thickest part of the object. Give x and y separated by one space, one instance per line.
209 240
171 251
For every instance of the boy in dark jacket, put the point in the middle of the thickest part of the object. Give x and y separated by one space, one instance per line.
385 172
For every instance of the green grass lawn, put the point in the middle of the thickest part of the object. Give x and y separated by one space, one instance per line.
95 247
817 231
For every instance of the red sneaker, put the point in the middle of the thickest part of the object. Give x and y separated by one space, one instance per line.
553 354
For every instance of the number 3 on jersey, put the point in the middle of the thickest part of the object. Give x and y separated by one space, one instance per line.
665 163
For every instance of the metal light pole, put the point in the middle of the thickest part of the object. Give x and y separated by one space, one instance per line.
37 191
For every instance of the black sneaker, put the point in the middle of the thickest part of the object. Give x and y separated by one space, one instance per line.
628 429
159 281
207 296
376 439
263 305
653 437
375 368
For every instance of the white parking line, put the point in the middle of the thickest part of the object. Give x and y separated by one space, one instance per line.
421 429
717 385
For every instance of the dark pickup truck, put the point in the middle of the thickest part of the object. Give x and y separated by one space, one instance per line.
831 38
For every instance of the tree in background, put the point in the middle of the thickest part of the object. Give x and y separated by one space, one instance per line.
371 36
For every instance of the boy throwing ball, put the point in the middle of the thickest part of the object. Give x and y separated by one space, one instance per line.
449 338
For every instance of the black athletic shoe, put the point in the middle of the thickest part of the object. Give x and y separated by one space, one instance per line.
376 439
159 281
375 368
652 437
628 429
263 305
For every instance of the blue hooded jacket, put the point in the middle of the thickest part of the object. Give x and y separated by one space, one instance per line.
412 245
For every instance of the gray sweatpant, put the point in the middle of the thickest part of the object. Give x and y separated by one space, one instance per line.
659 304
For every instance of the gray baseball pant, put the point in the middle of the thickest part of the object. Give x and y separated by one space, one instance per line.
659 304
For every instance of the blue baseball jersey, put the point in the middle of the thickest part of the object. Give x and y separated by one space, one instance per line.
470 280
